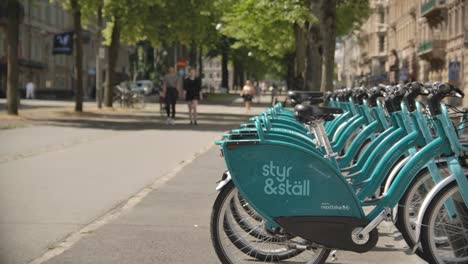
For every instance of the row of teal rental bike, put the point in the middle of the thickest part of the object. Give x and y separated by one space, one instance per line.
304 182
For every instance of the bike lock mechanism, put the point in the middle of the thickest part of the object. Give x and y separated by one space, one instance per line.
323 139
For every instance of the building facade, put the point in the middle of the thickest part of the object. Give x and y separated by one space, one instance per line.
365 51
402 63
348 57
422 40
373 39
52 74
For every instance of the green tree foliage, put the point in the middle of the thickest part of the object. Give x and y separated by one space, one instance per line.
350 14
266 28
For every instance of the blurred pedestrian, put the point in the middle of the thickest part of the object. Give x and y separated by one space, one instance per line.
248 93
30 90
171 93
192 88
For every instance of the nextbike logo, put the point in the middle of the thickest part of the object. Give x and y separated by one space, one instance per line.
327 206
278 182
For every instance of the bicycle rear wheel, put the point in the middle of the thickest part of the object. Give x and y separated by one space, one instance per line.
410 204
233 244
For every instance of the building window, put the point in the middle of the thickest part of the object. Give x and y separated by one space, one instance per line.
382 16
35 10
59 82
2 44
58 17
48 15
53 16
381 43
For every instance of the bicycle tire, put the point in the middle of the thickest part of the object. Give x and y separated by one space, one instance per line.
410 204
428 236
219 225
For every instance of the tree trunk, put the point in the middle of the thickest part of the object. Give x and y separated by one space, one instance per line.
241 75
78 55
193 54
111 62
99 88
290 60
236 73
200 61
328 26
314 58
224 65
300 65
13 11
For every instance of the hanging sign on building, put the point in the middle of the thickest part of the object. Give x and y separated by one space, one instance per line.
63 43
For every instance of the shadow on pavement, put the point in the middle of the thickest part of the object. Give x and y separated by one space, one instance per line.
141 121
26 106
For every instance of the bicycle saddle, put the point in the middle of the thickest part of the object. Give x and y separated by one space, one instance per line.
309 113
298 97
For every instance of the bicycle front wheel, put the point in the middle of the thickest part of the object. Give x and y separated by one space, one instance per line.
444 230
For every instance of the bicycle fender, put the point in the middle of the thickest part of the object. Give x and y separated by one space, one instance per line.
392 177
426 203
225 179
395 171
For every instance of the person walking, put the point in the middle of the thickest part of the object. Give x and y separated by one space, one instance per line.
192 88
30 90
170 94
248 93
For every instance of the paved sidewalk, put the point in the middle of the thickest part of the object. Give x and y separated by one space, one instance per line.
171 225
59 172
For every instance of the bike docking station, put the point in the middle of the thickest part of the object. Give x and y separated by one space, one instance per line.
297 180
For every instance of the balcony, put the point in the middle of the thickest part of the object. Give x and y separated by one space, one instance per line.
433 49
379 3
382 28
432 10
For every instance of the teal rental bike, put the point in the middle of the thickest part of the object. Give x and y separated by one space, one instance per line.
300 193
380 170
